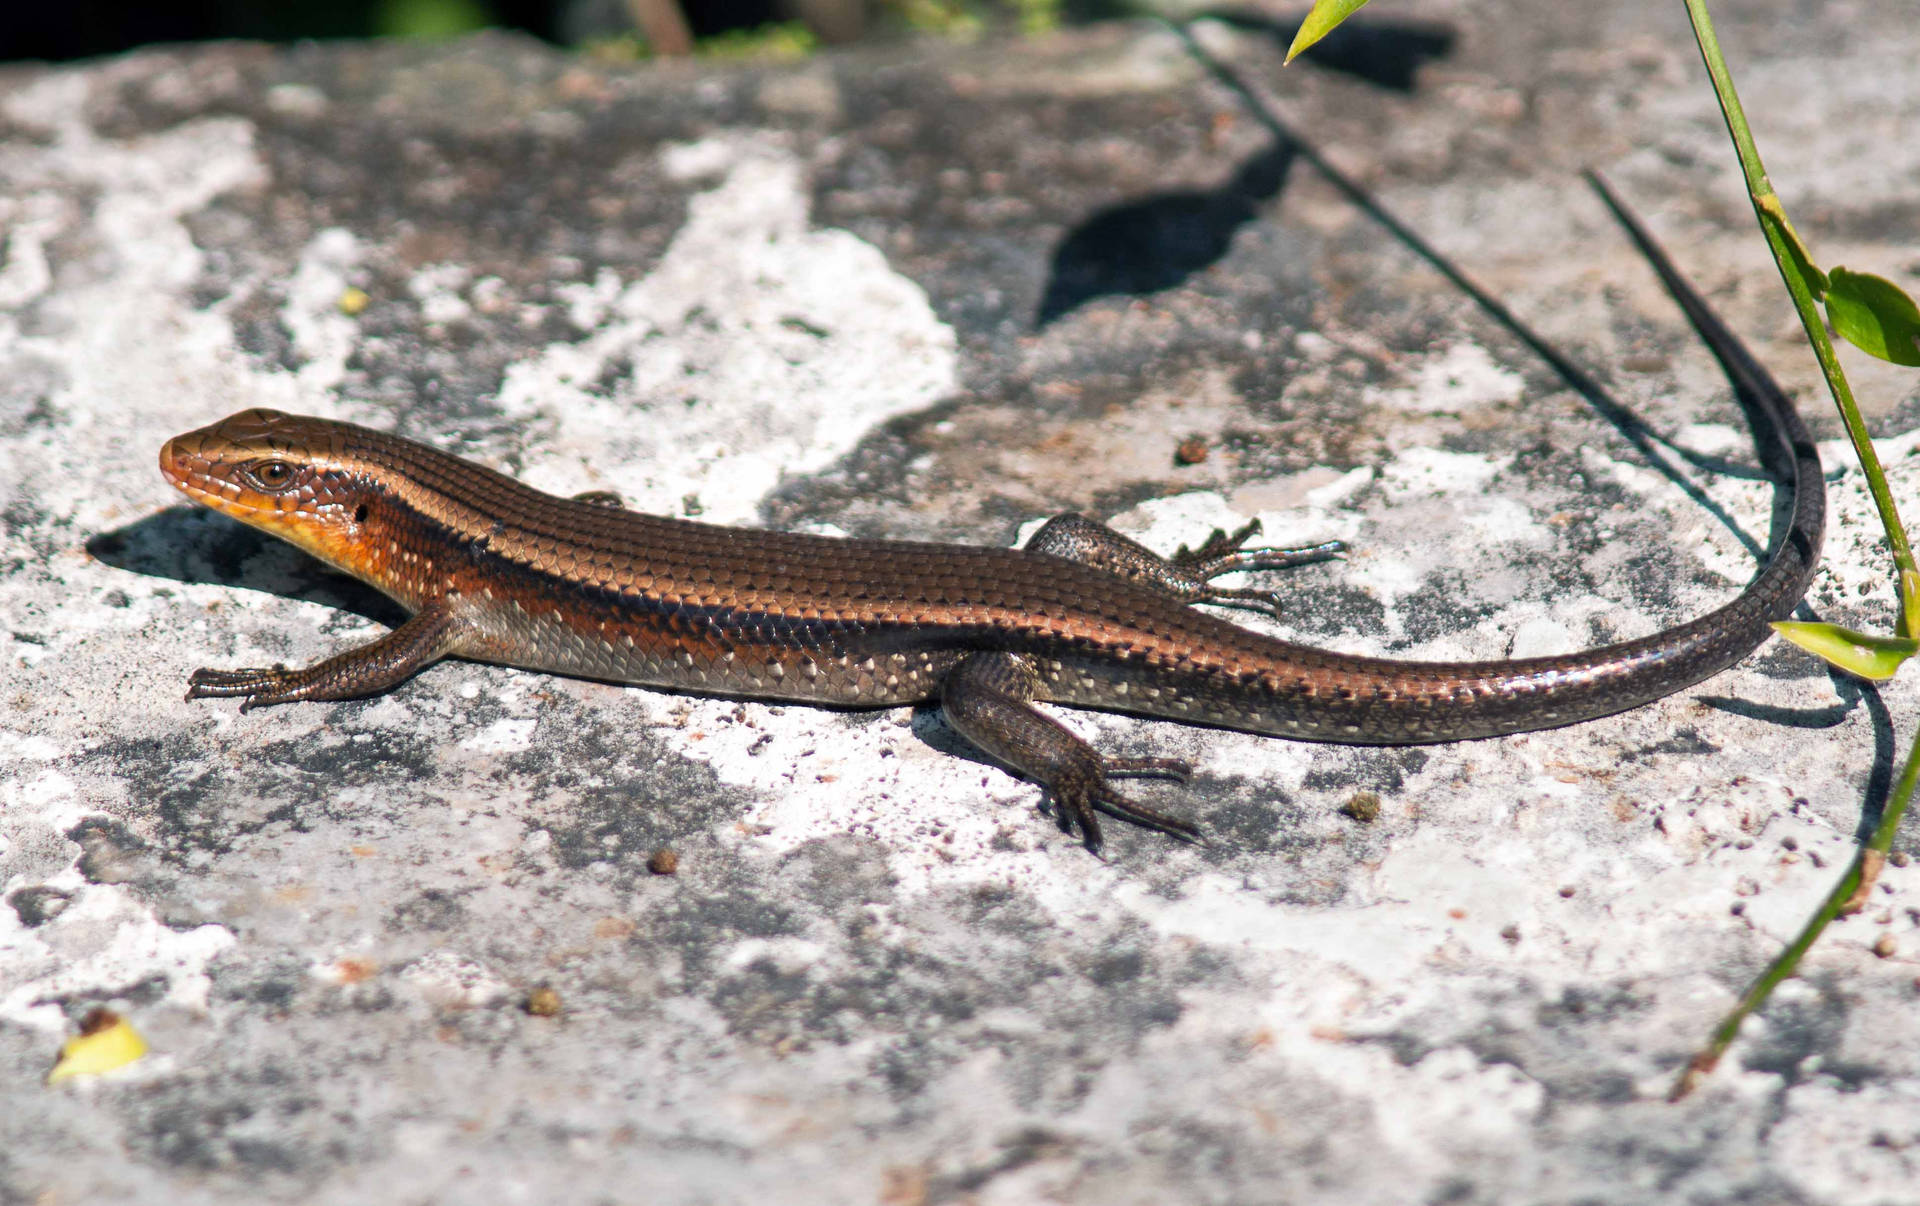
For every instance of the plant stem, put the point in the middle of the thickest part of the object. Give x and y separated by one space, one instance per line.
1849 894
1760 192
1865 866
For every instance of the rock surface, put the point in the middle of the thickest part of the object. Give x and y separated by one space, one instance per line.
938 293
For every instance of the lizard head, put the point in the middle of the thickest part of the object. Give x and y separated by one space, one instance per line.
286 474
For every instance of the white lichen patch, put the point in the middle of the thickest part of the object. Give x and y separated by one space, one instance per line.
103 939
104 942
1459 378
1424 472
757 347
134 359
440 290
818 776
322 333
506 736
126 359
1164 524
1842 1142
449 980
1855 566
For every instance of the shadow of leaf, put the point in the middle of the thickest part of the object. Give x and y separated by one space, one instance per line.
1157 242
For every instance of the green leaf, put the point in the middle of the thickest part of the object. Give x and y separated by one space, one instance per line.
1858 653
429 18
1326 15
1774 216
1874 315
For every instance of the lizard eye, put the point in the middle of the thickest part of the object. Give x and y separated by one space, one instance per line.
271 476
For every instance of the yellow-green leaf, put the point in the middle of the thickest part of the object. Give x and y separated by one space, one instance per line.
1326 15
430 18
1875 315
1859 653
106 1041
1774 215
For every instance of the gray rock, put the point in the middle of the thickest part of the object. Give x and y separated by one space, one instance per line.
939 292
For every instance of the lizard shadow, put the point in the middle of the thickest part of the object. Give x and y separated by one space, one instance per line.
194 546
930 727
1658 452
1154 243
1854 694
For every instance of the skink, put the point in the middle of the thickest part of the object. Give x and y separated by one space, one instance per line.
495 571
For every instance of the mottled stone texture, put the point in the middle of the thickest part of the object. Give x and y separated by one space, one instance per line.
939 292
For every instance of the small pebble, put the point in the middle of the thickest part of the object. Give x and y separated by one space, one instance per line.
1364 807
543 1002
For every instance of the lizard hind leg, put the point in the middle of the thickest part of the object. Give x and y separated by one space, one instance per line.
1188 574
988 698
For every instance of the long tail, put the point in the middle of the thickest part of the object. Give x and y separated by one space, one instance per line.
1376 701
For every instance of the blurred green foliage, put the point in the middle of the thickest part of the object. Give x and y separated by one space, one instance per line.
430 18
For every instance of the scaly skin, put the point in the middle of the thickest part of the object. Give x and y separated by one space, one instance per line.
495 571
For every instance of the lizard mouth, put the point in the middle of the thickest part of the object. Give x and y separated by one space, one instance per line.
191 473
